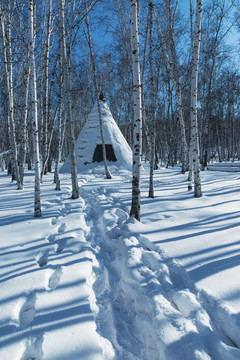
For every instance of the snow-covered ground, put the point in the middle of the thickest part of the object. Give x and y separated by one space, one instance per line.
86 282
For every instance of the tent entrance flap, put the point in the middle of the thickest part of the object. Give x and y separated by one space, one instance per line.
98 155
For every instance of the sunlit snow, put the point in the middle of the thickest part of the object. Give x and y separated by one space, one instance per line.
86 282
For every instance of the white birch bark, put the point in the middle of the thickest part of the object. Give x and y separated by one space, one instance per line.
194 93
152 106
58 154
137 107
60 129
145 127
23 144
46 84
190 150
49 143
107 172
67 102
34 108
190 161
50 125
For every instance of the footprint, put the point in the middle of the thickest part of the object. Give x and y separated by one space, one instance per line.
60 245
54 279
33 348
42 258
152 260
185 302
51 237
27 311
54 221
68 206
62 228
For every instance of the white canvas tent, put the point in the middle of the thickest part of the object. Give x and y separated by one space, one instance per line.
88 146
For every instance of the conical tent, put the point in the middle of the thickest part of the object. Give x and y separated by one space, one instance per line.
88 146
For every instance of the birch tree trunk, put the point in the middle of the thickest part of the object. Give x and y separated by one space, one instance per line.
60 129
50 126
45 99
23 144
193 110
190 162
58 154
190 150
107 172
137 109
152 106
49 143
34 107
67 101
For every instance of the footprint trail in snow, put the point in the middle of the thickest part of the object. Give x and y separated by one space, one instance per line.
148 308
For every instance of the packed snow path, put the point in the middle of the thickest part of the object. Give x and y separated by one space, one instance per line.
83 283
148 307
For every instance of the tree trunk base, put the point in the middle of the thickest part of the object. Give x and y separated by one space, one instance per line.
38 213
108 175
75 196
151 195
136 216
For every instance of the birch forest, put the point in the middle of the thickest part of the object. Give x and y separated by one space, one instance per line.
168 69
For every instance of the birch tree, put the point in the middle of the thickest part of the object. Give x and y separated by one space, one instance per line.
60 128
152 105
23 144
34 107
137 110
60 136
193 109
45 119
67 101
107 172
190 150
